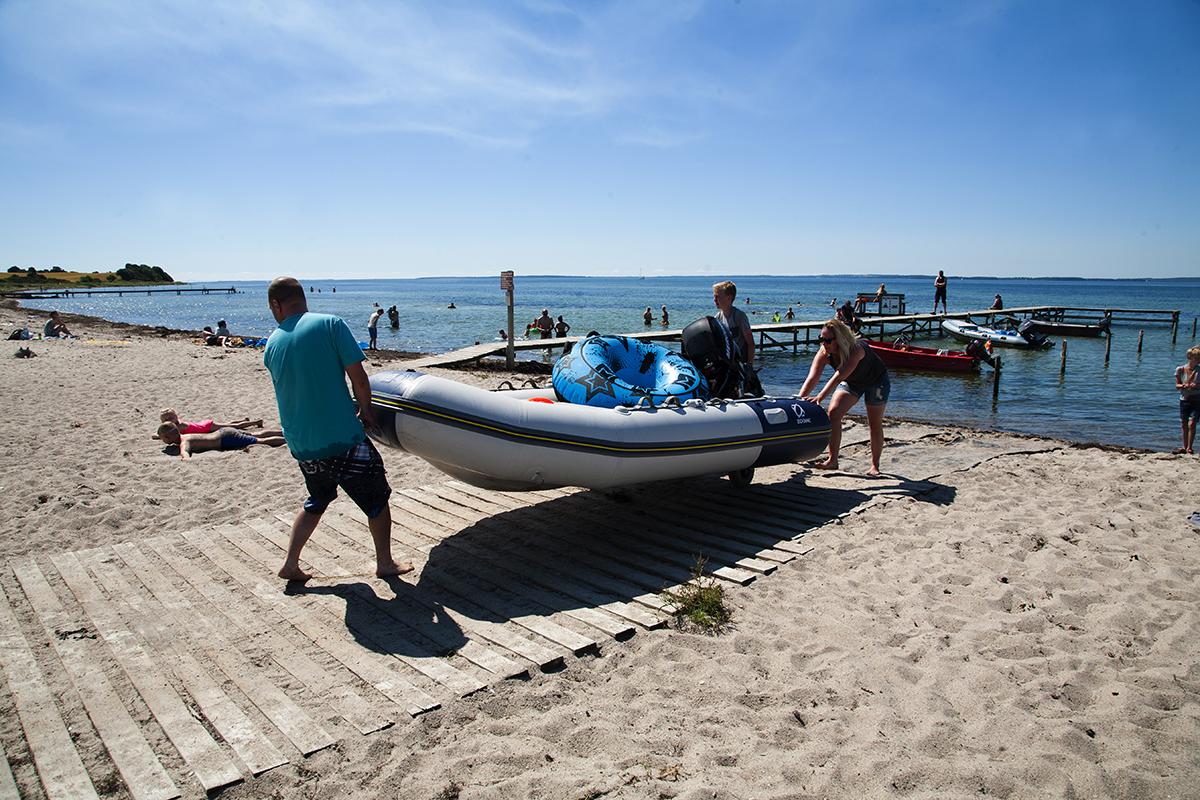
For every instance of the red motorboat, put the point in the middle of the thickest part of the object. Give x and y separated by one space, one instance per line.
900 355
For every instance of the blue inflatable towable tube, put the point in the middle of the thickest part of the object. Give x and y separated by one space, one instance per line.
611 371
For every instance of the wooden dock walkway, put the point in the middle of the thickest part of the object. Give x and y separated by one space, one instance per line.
178 665
77 291
794 335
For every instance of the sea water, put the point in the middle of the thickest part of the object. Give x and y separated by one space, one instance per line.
1131 401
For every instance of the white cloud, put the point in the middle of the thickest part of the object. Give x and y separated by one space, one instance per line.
484 74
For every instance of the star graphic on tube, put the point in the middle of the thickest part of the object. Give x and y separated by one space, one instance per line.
596 383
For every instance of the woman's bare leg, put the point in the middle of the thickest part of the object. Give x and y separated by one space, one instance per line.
875 423
841 403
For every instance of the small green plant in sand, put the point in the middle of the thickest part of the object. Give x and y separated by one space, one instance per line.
700 603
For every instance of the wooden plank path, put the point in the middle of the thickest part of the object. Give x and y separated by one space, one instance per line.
197 669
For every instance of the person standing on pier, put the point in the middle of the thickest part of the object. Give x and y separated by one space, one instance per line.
1187 381
939 292
734 320
310 356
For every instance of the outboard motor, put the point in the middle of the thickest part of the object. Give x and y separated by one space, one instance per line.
979 350
1028 332
706 344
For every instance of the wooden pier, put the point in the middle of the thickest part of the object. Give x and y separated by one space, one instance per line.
178 664
58 294
794 335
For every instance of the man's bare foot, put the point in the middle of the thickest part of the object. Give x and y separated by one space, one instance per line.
874 472
395 568
294 574
827 464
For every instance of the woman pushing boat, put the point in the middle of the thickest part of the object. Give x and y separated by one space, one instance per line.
858 373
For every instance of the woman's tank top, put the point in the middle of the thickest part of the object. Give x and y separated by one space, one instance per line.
870 370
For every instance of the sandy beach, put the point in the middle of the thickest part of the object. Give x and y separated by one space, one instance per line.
1003 616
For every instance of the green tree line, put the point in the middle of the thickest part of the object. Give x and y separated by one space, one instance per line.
130 273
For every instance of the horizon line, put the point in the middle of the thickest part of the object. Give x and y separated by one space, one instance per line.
1140 279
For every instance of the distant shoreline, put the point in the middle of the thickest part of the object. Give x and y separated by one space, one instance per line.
715 276
163 331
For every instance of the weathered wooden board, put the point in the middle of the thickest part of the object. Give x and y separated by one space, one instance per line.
59 767
140 768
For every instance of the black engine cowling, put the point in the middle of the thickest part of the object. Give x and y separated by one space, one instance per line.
706 344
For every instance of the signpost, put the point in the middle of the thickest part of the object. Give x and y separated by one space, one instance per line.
506 283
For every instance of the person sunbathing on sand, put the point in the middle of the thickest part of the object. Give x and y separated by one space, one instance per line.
220 439
206 425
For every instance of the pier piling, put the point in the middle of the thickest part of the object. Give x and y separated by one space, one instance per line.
1193 327
1174 326
1107 346
1140 335
996 381
1062 364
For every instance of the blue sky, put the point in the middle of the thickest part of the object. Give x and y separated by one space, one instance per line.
246 139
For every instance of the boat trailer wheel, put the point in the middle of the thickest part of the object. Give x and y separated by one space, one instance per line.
741 478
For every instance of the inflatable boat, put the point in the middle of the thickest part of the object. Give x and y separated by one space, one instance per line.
1024 336
528 439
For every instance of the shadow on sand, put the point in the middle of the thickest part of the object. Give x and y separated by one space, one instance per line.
574 554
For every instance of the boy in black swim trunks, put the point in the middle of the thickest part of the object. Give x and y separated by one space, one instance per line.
220 439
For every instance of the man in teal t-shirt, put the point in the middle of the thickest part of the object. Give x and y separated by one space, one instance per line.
309 357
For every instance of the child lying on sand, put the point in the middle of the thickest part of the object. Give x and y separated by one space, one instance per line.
220 439
205 425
